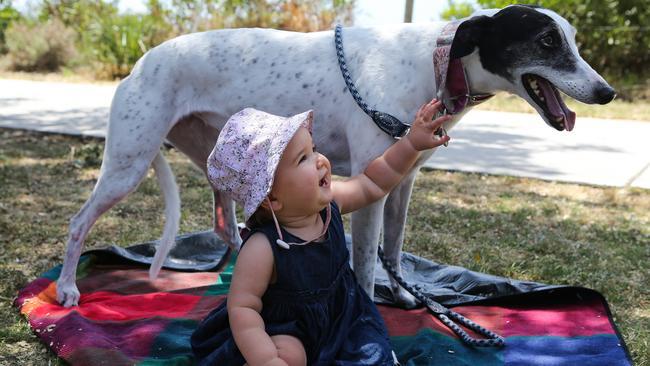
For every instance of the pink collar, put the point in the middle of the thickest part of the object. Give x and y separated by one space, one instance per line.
451 78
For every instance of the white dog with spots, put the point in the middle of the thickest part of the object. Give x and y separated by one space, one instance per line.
185 89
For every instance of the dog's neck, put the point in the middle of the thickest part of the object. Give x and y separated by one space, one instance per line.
422 40
480 80
391 71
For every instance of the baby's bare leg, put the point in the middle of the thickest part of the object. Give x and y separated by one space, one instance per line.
290 350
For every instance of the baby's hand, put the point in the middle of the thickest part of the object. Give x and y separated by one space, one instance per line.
422 135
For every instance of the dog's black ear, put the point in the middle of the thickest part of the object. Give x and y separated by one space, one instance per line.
468 35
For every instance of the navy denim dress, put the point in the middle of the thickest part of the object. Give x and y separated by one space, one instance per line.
316 299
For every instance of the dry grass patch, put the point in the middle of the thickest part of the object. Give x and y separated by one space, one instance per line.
617 109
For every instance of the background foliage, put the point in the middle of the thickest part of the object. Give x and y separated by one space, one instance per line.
109 43
7 15
32 47
613 35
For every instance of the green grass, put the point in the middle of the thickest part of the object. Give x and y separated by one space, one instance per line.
521 228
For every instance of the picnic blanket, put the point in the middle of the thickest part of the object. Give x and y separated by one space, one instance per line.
125 319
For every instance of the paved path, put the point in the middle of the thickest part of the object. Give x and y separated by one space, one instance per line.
597 151
601 152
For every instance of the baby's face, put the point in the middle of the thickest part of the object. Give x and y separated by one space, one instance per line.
303 178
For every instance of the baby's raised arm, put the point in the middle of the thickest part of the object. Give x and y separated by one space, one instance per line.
385 172
250 280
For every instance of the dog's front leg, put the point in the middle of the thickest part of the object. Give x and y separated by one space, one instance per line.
395 212
366 227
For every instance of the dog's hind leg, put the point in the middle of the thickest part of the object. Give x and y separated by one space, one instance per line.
395 212
172 213
366 227
225 220
194 137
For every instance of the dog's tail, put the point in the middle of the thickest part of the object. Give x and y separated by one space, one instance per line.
172 212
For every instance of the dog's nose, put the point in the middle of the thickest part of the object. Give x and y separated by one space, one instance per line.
605 94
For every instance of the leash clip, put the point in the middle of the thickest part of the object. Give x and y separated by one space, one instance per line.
406 131
441 131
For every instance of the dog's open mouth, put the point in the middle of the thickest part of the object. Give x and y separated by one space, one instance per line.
548 98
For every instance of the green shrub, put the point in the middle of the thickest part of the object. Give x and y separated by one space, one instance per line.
40 47
110 43
118 42
7 15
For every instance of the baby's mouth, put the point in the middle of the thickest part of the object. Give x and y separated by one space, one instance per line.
324 182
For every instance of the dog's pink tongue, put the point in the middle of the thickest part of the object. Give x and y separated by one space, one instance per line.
556 105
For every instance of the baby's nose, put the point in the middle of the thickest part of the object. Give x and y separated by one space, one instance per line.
321 161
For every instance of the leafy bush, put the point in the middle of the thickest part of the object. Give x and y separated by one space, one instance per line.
40 47
113 42
116 43
110 42
7 15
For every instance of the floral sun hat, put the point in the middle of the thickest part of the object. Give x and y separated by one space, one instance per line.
248 150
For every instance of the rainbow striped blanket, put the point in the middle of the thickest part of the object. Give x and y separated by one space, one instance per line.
124 319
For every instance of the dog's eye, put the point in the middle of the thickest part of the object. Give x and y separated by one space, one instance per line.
547 41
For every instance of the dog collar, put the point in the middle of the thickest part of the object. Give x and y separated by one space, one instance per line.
451 78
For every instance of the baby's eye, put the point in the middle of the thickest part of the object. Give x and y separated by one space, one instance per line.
303 158
313 148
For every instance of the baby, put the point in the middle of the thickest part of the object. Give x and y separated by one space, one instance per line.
294 299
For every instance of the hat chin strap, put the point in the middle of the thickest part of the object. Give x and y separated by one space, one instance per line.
286 245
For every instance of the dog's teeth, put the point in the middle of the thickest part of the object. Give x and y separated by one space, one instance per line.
533 85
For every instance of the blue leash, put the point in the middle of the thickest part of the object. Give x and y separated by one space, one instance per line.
389 124
386 122
446 316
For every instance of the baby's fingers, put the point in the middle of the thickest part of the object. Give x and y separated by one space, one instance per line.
427 110
438 122
420 111
431 109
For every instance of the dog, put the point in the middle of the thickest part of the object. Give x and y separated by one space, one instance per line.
184 90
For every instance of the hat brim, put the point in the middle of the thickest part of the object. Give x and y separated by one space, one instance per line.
292 124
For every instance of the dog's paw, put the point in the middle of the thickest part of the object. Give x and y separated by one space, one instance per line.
404 299
67 294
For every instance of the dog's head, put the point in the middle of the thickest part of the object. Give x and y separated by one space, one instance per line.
530 52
